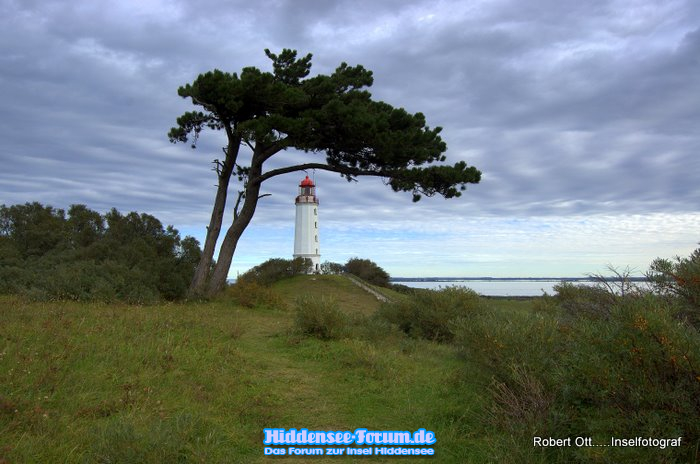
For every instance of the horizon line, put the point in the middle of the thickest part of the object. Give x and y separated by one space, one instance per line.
587 278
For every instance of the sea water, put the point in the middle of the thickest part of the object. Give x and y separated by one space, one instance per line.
494 287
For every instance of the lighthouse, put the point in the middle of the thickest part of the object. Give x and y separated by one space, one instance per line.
306 243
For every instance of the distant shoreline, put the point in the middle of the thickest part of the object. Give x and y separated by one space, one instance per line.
512 279
499 287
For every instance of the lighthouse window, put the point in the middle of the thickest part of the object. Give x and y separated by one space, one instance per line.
314 211
316 237
315 225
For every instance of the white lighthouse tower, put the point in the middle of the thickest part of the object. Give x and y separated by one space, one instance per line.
306 243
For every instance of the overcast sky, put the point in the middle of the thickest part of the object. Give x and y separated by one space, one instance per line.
584 117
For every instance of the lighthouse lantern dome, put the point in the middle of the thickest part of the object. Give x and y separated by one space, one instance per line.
307 191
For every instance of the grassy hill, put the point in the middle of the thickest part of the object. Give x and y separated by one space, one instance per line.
349 296
199 382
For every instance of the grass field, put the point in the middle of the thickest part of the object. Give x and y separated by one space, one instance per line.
199 382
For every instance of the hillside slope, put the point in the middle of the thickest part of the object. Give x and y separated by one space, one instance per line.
349 296
199 382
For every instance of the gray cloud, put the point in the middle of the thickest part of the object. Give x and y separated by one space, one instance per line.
568 108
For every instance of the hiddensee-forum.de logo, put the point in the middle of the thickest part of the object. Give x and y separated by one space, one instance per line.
366 442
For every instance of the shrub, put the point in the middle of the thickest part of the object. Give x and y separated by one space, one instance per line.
546 304
330 268
430 313
401 288
605 363
320 318
369 359
252 294
584 300
276 269
368 271
635 372
140 295
71 281
521 402
15 279
679 277
373 328
512 346
91 257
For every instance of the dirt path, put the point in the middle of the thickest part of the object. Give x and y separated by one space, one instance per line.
367 288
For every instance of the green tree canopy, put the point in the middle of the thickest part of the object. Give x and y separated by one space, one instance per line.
89 256
332 118
368 270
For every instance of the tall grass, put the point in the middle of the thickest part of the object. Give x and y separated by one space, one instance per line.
199 382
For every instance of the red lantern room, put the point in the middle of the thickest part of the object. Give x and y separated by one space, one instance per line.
307 192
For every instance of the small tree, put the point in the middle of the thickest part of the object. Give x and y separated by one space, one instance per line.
328 115
679 277
368 271
328 267
85 226
34 228
620 283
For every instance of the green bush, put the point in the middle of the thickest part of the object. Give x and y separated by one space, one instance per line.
368 271
85 256
633 372
430 313
276 269
679 277
499 341
330 268
373 328
72 281
15 279
320 318
251 294
637 373
401 288
584 300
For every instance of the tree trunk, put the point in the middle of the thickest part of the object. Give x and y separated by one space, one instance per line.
201 273
233 234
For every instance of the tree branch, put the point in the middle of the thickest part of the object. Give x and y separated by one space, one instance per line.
274 148
250 145
207 106
236 210
219 166
324 167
